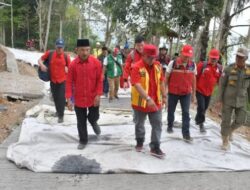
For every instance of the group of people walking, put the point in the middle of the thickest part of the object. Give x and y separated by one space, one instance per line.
156 80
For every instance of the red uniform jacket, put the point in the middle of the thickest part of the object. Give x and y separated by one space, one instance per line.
84 81
181 78
136 78
207 78
133 57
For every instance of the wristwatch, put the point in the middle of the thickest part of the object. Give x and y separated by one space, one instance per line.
148 98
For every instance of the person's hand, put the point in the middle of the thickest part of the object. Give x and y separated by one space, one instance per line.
193 97
43 68
164 102
151 104
70 105
66 70
97 101
125 85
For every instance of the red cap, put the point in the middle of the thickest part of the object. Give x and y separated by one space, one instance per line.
214 54
187 50
150 50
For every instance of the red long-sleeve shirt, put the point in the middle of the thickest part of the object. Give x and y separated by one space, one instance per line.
84 81
133 57
57 66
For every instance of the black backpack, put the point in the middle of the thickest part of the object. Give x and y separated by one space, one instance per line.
45 76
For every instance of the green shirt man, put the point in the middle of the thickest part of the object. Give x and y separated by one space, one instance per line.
113 67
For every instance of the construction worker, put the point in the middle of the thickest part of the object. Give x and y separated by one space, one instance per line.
234 94
181 82
208 75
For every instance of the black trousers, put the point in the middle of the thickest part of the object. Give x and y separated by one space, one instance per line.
202 105
58 93
82 116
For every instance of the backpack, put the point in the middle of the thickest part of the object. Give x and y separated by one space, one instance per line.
45 76
205 65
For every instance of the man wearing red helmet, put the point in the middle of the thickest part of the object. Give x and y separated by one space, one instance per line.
208 75
181 82
147 97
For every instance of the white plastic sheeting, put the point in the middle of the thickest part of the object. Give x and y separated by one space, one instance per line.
45 146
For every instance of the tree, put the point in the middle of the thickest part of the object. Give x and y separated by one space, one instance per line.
48 24
238 7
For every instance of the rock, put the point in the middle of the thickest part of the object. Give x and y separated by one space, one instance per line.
3 108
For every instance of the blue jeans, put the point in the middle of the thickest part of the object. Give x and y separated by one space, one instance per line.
105 85
203 103
185 105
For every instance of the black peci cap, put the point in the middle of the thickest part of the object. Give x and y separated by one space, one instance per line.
83 43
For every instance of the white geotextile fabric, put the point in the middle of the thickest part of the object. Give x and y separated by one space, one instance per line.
45 146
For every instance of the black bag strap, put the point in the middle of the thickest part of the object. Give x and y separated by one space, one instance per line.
50 56
66 59
116 62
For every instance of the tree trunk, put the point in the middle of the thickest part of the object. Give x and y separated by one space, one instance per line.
61 26
178 40
170 46
196 43
214 33
48 25
204 41
4 36
39 12
107 33
224 27
12 26
28 27
89 16
80 23
247 44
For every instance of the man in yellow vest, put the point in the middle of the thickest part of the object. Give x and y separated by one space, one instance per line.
148 97
97 51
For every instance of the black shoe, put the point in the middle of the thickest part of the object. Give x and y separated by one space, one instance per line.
60 120
81 146
187 138
117 97
96 129
202 128
170 130
157 152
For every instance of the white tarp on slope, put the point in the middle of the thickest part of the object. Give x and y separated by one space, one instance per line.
45 146
27 56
